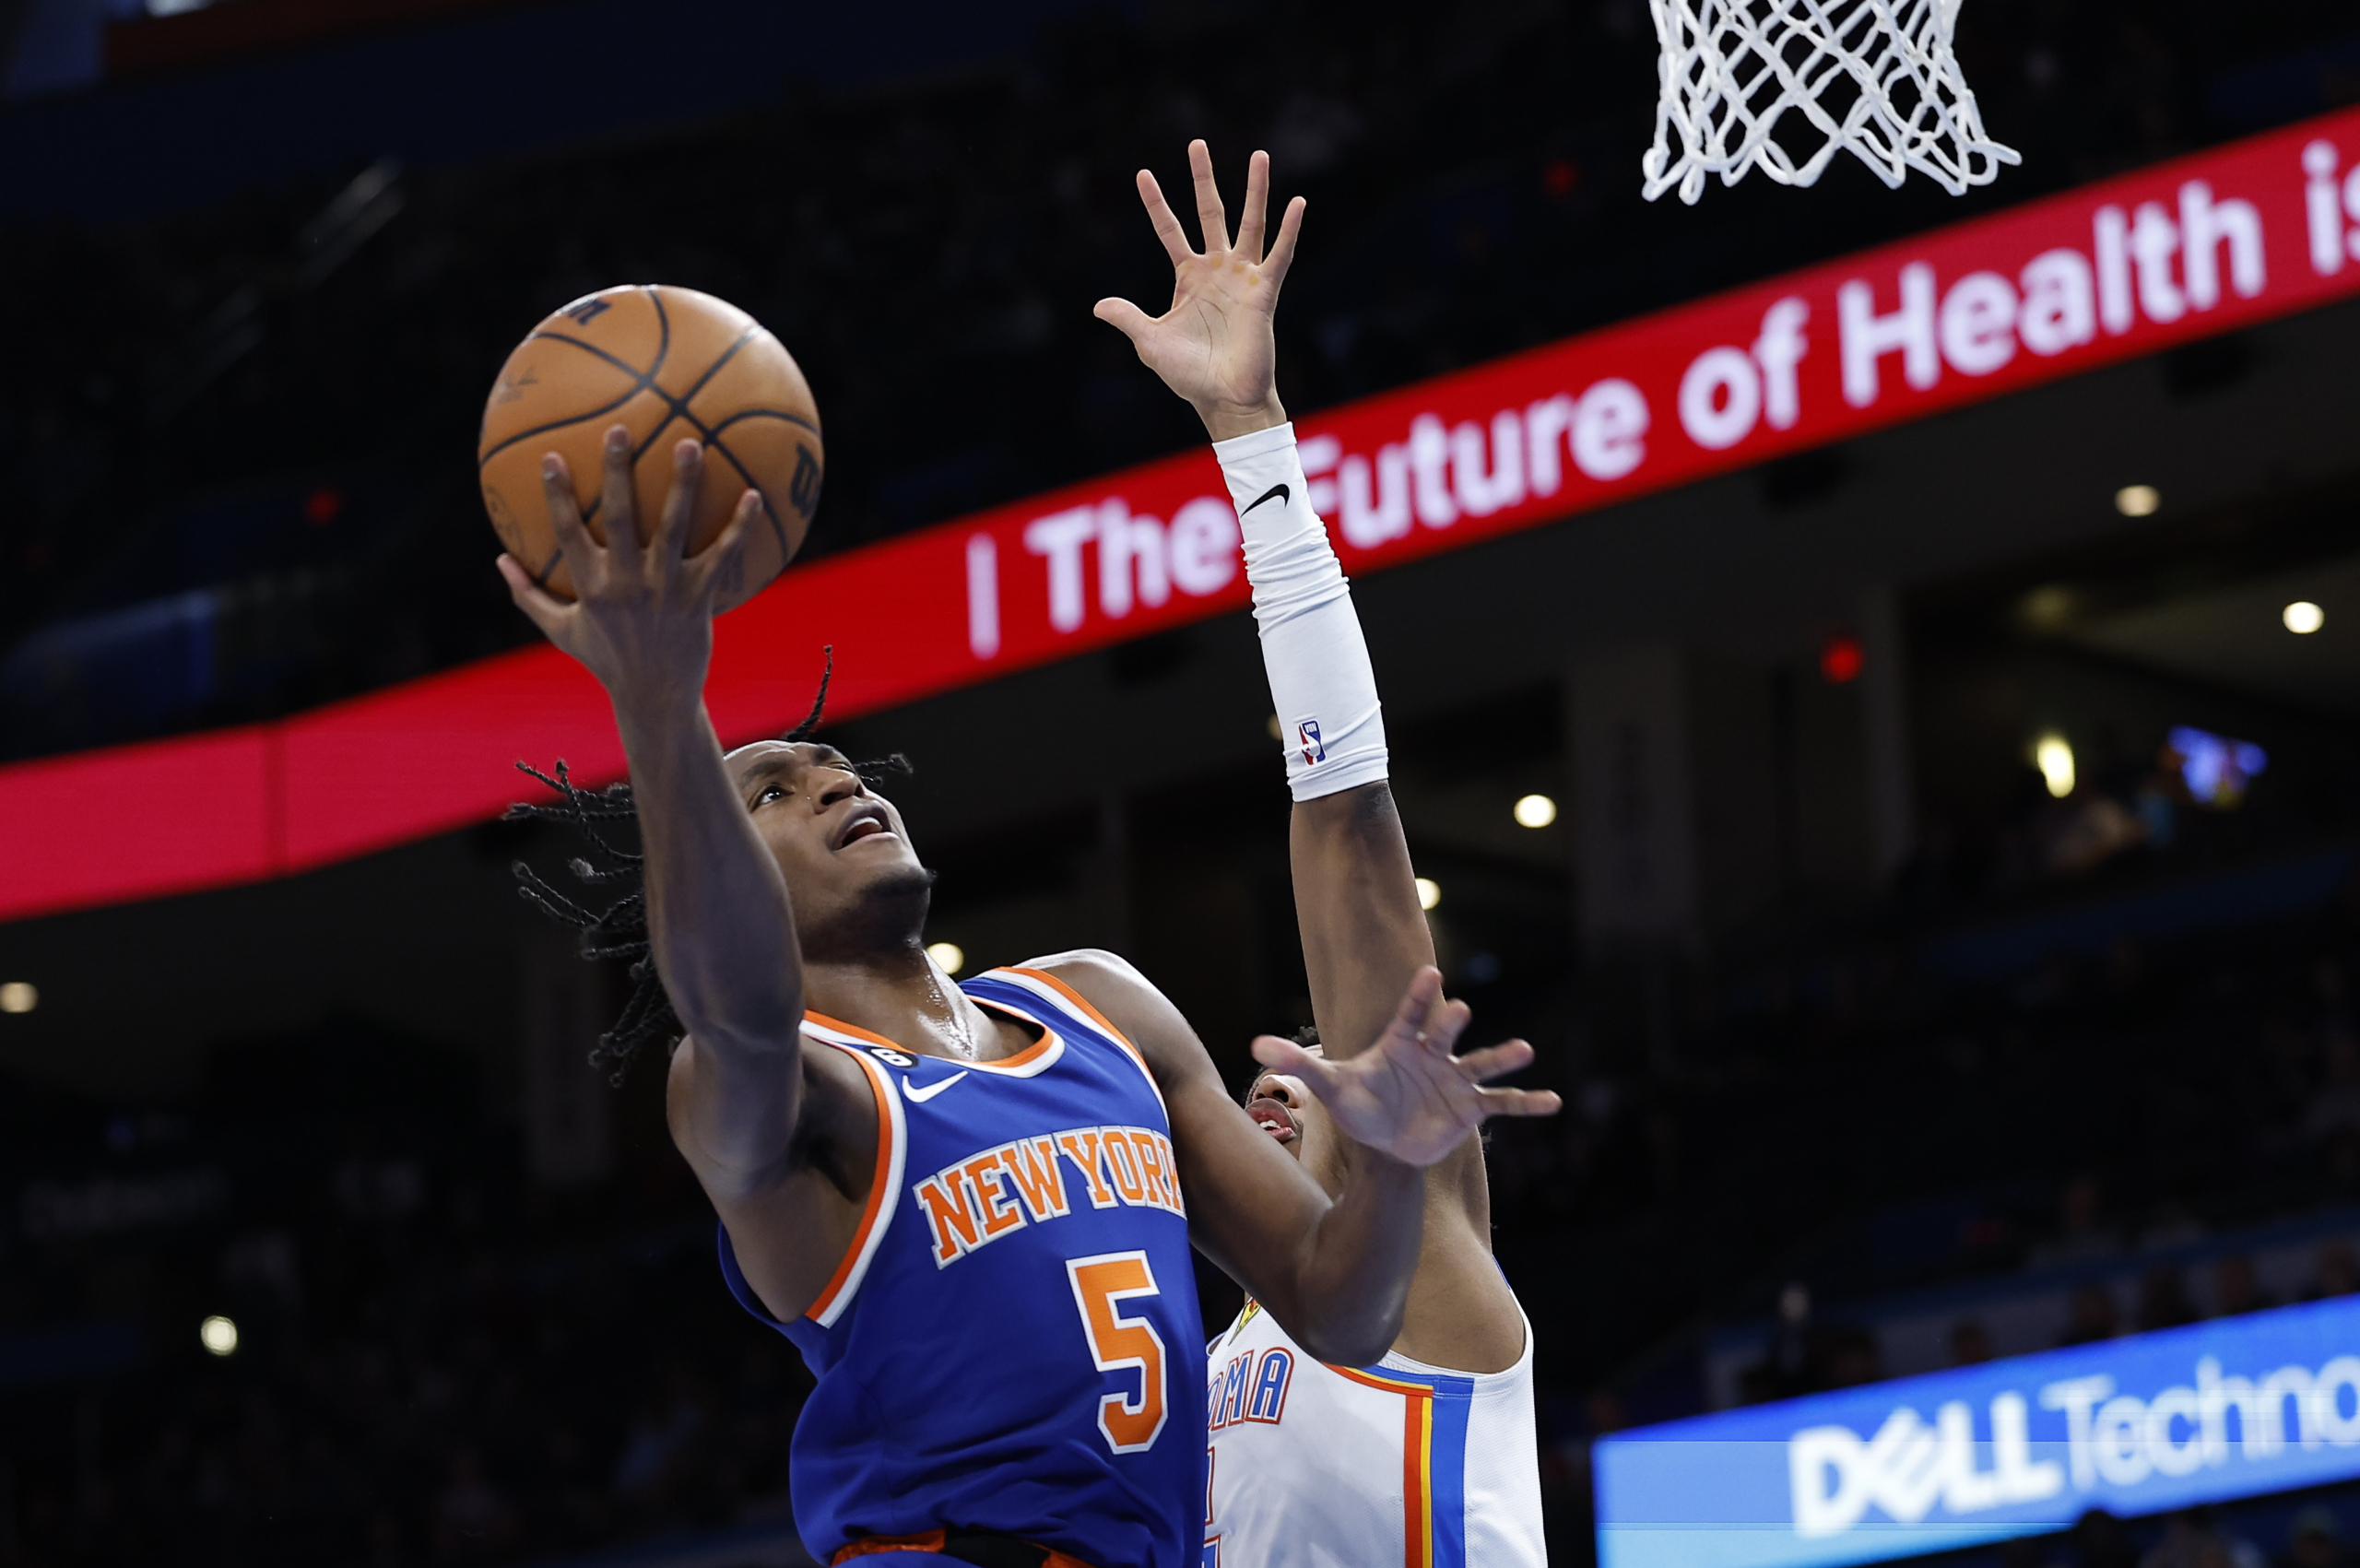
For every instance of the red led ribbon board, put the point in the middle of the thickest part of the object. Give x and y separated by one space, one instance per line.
2203 245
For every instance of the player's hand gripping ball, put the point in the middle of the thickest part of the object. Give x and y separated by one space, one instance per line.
664 363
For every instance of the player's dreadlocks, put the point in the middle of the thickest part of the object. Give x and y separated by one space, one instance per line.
620 931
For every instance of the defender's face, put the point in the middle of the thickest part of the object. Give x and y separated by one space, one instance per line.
836 841
1290 1115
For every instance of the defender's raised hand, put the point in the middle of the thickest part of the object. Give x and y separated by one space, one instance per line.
1407 1095
1214 346
641 620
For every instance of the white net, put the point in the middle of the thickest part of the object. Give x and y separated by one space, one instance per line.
1875 76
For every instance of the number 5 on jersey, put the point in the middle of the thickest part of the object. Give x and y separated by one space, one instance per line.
1121 1344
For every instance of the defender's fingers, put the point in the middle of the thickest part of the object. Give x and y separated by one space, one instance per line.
1417 1007
1521 1102
1283 249
1317 1073
617 507
1446 1021
573 540
1124 317
671 541
1493 1061
1209 216
1159 213
544 608
1250 217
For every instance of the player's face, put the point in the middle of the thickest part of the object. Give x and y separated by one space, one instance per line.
839 845
1292 1116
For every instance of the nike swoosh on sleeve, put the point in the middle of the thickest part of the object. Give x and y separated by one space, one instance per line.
920 1096
1279 490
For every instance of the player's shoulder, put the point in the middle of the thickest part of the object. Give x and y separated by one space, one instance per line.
1110 982
1113 986
1081 967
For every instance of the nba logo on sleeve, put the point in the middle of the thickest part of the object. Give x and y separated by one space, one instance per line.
1315 750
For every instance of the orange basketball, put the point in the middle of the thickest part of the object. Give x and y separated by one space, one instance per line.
664 363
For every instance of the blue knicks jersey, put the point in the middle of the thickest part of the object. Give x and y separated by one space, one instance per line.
1009 1343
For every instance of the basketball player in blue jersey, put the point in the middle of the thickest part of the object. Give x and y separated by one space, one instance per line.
1427 1456
971 1206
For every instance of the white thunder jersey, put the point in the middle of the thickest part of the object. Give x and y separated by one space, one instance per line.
1323 1466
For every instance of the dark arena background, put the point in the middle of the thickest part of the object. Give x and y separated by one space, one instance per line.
1897 759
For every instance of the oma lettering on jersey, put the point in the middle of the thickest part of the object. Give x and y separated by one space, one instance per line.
1023 1181
2114 1441
1248 1389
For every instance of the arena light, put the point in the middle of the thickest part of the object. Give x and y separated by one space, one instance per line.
2302 618
2138 500
2054 757
19 997
2048 607
1535 811
949 955
219 1335
1428 893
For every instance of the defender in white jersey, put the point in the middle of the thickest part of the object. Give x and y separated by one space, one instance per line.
1342 1467
1428 1457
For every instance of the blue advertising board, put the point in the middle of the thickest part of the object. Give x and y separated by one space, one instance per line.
2267 1402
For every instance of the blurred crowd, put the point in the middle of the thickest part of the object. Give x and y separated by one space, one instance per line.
236 437
472 1410
2197 799
433 1361
2309 1531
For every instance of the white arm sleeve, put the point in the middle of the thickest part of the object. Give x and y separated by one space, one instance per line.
1329 720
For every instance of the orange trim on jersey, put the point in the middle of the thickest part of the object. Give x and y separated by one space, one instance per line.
1031 1053
870 1546
879 1180
824 1021
1372 1381
1417 1461
1048 1038
932 1540
1417 1480
1079 1000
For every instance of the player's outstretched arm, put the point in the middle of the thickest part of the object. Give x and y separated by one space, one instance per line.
1337 1272
723 933
1364 934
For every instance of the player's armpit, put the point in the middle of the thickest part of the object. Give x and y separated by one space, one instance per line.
1461 1315
791 1192
1336 1274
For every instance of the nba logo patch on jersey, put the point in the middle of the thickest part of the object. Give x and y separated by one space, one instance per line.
1315 750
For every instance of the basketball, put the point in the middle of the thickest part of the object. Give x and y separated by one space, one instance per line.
665 364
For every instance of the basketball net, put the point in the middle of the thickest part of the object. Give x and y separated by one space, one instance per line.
1730 69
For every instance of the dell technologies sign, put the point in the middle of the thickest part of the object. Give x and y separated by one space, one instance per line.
2262 1403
